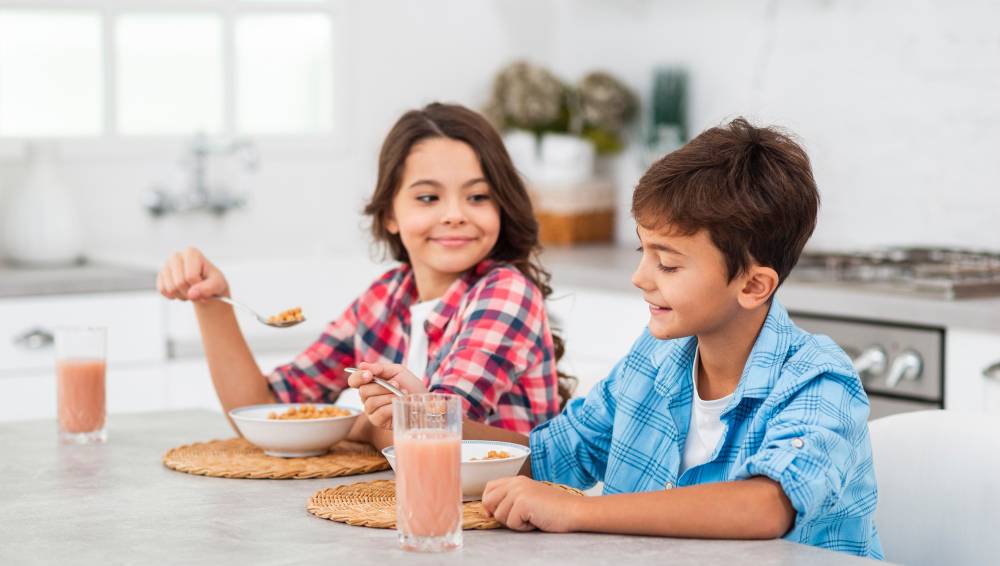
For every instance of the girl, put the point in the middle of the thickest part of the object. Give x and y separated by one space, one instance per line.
464 310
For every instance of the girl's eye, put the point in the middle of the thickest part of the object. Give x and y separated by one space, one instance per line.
483 197
639 249
427 198
666 268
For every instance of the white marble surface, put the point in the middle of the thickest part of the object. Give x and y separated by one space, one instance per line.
117 504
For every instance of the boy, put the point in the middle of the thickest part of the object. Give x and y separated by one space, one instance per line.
724 420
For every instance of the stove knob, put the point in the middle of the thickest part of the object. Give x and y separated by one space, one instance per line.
908 365
872 361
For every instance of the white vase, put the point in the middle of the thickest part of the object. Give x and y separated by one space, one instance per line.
565 160
42 225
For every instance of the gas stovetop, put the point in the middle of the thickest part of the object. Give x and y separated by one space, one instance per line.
944 273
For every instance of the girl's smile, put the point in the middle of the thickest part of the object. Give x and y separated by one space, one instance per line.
453 241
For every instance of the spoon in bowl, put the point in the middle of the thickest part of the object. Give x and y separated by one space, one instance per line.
388 386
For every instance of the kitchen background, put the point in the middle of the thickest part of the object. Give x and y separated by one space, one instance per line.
895 102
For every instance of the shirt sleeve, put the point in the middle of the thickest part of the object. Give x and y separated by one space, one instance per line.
503 334
317 374
812 444
573 447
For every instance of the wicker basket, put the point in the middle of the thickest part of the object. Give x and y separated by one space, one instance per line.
568 229
575 213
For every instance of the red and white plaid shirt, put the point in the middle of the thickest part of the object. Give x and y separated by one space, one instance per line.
488 342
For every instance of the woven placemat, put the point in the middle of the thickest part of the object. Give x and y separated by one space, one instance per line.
373 504
237 458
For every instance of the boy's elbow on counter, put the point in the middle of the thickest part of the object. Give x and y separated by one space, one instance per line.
776 520
776 525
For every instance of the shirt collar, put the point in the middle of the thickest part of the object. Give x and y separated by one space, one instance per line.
761 371
438 319
767 357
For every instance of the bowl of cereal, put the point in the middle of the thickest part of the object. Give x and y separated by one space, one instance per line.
482 461
291 430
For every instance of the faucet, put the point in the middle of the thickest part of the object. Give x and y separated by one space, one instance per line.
160 201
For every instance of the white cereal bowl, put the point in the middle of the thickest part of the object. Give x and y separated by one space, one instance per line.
291 438
476 474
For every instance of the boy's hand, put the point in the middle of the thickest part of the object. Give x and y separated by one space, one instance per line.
188 275
524 504
377 399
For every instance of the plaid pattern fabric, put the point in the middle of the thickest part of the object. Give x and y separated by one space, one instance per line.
488 342
798 416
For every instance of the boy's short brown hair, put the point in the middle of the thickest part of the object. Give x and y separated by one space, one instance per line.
751 188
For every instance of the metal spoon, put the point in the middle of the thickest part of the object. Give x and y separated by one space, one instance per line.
259 318
390 387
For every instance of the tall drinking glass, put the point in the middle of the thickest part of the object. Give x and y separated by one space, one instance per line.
80 367
427 433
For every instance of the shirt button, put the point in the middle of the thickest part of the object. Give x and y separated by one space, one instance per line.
798 443
668 485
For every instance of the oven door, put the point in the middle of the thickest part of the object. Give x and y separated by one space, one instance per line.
885 406
890 388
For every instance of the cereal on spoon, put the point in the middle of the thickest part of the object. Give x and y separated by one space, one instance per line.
286 316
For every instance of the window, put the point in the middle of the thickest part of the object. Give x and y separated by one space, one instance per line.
126 68
169 73
51 74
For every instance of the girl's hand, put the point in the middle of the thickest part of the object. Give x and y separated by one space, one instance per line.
187 275
377 399
523 504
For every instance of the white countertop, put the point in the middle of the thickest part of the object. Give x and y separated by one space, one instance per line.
117 504
609 268
90 277
323 285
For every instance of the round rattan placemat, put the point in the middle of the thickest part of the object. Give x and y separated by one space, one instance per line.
237 458
373 504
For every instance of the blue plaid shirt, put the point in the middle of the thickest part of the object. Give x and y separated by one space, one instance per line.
798 416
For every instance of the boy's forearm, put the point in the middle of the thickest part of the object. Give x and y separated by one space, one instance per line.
756 508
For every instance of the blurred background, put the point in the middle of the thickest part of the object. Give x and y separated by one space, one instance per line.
250 129
892 100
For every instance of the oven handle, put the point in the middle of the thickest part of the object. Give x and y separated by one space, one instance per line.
992 371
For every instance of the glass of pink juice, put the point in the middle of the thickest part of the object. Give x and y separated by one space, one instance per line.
80 369
427 434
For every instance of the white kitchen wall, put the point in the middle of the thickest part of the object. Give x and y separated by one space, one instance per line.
896 102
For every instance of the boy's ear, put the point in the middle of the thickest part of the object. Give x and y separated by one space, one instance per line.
759 284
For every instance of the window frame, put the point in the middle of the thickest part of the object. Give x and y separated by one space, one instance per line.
113 145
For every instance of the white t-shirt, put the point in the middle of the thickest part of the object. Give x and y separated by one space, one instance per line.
416 352
706 427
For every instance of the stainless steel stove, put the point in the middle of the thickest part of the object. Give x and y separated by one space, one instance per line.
943 273
901 365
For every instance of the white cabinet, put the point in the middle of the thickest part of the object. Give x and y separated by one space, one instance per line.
599 327
969 356
135 323
136 350
189 384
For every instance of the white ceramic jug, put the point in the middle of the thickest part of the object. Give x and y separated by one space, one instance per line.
42 226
